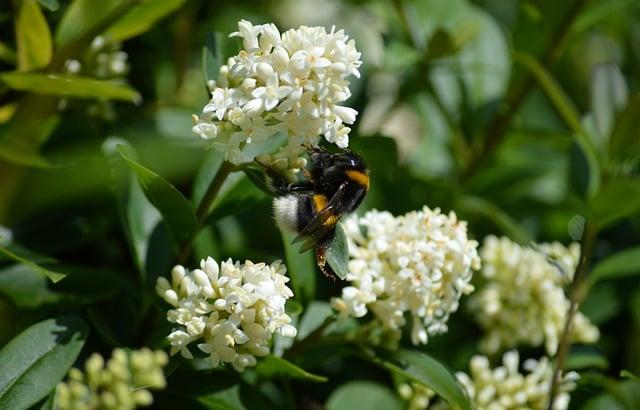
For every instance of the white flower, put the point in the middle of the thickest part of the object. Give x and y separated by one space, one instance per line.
420 263
505 388
292 82
522 299
122 383
231 310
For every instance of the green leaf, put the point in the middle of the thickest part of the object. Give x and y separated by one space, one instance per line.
141 18
26 287
626 374
51 5
421 368
176 211
80 16
619 199
315 315
138 216
568 112
205 175
7 54
70 86
33 37
363 395
619 265
338 253
582 360
237 194
603 402
107 317
609 96
503 221
38 358
54 276
273 366
301 268
625 137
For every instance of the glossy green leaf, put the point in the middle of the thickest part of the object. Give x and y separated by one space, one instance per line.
338 253
38 358
315 315
51 5
619 265
176 211
80 16
141 18
273 366
301 268
138 216
70 86
26 287
33 37
52 275
582 360
567 111
422 368
618 199
363 395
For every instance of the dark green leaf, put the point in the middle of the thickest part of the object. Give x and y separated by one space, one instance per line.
70 86
218 47
107 319
273 366
314 316
26 287
205 175
141 18
619 199
7 54
421 368
363 395
301 268
237 194
258 178
33 37
54 276
51 5
603 402
176 211
38 358
138 216
338 253
625 137
80 16
619 265
293 308
502 220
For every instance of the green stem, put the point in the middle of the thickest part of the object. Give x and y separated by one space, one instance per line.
577 293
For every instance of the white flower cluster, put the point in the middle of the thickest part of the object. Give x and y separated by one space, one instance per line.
232 310
291 82
505 388
103 60
420 263
417 396
122 384
523 300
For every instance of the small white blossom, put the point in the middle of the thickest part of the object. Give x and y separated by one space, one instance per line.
122 383
420 263
230 310
505 388
522 299
290 83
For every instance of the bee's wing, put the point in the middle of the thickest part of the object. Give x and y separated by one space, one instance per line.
317 228
322 223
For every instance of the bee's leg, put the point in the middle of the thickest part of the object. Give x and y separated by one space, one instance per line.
321 258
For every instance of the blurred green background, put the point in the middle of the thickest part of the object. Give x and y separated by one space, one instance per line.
519 115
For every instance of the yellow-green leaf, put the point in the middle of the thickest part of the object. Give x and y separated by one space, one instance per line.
54 276
69 86
81 16
33 37
141 18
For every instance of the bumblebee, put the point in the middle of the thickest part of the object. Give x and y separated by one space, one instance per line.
335 185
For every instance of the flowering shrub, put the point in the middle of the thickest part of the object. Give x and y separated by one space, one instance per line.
463 177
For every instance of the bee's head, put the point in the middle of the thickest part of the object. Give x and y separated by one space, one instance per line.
354 161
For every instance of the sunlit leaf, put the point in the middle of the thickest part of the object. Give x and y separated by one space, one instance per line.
582 360
273 366
338 253
52 275
51 5
363 395
38 358
33 37
70 86
619 265
141 18
176 211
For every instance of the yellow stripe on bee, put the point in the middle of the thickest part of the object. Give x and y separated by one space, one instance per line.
319 202
359 178
330 221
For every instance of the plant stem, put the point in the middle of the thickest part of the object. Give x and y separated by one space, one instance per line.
577 293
